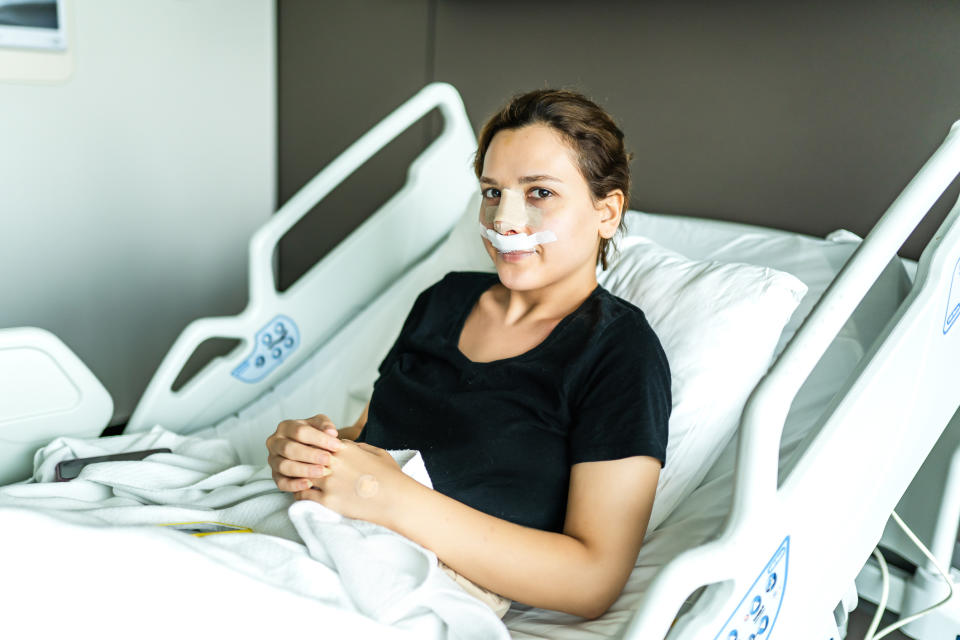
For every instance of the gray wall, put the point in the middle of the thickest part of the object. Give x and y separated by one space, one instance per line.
342 67
129 191
809 117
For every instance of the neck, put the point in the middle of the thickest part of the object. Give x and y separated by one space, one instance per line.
553 301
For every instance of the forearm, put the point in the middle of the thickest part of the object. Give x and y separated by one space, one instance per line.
539 568
353 432
350 433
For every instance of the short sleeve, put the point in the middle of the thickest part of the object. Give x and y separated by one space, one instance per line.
621 407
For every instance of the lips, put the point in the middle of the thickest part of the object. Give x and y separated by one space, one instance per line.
515 256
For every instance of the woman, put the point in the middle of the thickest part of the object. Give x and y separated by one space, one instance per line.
538 399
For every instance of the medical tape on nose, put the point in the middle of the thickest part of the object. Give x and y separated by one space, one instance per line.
513 212
516 241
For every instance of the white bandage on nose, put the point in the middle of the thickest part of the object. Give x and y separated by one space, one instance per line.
513 212
516 241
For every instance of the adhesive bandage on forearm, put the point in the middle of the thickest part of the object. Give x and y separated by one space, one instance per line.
516 241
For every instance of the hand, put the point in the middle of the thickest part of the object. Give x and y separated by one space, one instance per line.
364 483
300 450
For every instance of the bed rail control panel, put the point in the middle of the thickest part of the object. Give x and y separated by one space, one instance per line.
271 346
757 612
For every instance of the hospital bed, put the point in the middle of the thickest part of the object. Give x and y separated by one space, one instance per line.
773 535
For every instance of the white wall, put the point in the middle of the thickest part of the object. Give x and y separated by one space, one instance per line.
128 192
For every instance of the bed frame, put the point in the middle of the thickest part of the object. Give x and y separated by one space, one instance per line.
284 328
872 442
788 554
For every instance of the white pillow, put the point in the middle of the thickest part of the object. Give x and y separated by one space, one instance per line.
719 325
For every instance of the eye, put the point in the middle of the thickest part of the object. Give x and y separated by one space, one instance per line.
490 193
539 193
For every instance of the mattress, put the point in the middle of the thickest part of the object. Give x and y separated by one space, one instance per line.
338 378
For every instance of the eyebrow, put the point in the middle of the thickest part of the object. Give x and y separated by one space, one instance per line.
523 180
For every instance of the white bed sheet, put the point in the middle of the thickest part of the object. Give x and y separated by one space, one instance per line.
356 578
337 380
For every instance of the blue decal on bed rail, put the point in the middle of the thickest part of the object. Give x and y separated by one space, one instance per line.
953 300
757 612
272 344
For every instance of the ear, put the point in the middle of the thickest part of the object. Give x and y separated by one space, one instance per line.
610 210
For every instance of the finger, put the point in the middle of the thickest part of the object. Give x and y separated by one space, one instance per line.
290 485
305 432
295 469
314 456
309 494
274 462
321 422
332 432
293 450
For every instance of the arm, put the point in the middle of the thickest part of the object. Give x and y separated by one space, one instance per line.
353 432
580 571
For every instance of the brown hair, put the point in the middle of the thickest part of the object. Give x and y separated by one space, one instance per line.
587 129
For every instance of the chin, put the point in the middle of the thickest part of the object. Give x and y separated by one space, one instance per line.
525 274
516 282
521 278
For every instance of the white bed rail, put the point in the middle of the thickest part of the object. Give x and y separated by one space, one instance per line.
46 391
830 511
283 328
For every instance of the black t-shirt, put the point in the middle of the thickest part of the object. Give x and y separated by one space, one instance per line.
501 436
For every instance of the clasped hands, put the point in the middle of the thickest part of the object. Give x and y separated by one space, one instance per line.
355 479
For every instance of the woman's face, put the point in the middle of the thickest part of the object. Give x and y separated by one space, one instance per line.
534 163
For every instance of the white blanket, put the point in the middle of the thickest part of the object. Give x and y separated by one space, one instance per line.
89 551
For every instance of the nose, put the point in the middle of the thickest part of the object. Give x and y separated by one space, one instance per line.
510 214
505 229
